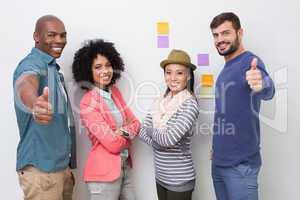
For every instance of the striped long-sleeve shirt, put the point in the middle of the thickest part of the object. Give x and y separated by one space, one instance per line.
172 145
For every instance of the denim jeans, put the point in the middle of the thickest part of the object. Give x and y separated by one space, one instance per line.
236 183
121 189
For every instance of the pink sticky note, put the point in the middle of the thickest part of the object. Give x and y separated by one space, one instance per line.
203 59
163 41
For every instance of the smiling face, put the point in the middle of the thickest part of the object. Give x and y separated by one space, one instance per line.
51 37
102 71
176 77
227 39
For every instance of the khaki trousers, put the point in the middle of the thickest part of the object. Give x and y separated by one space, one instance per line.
38 185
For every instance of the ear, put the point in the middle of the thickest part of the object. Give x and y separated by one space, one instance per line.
241 32
36 37
189 77
189 74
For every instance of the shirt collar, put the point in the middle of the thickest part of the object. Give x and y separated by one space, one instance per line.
105 94
237 58
44 56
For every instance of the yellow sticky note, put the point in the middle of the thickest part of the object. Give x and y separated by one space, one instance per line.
163 28
207 80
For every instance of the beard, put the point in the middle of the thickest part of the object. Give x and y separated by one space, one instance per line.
233 47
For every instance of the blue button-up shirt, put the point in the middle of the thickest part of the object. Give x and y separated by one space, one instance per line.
47 147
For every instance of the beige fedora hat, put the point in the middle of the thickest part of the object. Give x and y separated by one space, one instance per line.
177 56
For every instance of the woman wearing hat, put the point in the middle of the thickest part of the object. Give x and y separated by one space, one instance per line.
168 128
109 122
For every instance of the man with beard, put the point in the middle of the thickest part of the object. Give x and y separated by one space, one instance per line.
240 87
46 150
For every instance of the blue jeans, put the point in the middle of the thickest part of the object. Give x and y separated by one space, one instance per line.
235 183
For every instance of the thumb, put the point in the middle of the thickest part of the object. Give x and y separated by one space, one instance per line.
45 94
254 64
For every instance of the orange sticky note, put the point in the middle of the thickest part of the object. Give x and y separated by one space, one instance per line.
207 80
163 28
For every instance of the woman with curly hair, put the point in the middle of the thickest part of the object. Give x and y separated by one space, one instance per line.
109 122
168 129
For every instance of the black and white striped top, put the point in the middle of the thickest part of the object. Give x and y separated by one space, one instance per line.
172 146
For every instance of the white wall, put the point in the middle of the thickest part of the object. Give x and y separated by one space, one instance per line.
271 31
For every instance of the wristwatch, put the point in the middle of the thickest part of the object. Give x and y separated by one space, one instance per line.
125 133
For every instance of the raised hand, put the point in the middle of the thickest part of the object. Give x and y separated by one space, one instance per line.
42 109
254 77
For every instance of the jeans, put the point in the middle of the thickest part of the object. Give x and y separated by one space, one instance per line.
236 183
121 189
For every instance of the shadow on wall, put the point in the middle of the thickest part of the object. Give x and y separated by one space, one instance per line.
83 143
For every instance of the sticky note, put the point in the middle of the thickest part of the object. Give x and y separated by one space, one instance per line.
207 92
203 59
163 28
207 80
163 41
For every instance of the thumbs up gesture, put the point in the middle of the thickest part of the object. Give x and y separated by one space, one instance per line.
254 77
42 109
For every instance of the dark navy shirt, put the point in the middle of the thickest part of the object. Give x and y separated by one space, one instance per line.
236 129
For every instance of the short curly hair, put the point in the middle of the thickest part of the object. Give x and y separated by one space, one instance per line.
84 57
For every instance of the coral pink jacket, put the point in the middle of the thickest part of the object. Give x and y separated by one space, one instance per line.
104 161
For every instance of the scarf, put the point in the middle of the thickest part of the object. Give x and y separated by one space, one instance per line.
165 107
